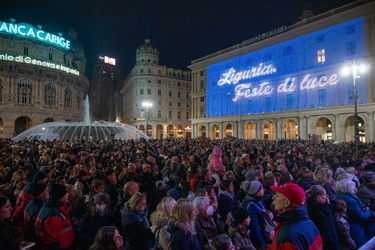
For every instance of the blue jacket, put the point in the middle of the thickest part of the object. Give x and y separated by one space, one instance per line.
257 223
296 231
225 204
356 217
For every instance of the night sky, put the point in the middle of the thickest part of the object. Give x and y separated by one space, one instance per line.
181 30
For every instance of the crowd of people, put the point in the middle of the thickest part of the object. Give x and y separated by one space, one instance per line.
186 194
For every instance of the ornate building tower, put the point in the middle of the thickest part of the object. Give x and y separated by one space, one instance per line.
156 99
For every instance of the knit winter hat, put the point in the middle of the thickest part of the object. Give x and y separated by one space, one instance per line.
254 187
239 214
57 191
40 175
101 197
38 188
251 175
160 185
245 186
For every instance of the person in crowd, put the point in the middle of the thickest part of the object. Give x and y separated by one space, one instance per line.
7 240
366 191
238 231
135 224
130 188
204 224
159 220
18 177
361 226
75 206
93 221
147 179
222 242
40 195
307 180
324 178
181 226
82 186
108 238
254 204
193 176
110 188
321 212
343 228
52 227
227 199
97 186
295 229
24 198
158 194
268 193
205 179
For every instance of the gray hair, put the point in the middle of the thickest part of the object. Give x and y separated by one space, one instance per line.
200 202
346 186
368 177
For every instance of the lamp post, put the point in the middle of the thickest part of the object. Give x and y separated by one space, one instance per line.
147 104
353 66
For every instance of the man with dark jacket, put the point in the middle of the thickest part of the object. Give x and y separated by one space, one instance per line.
40 194
53 229
295 229
110 188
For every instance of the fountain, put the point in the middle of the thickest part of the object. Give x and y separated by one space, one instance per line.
86 130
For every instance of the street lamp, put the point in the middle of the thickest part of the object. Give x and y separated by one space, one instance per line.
147 104
354 66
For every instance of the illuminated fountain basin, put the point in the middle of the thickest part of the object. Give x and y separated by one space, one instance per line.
87 130
72 131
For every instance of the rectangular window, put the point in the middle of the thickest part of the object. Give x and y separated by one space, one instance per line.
351 48
159 72
187 95
159 113
179 115
179 104
321 55
25 51
202 73
187 115
159 82
289 100
170 114
170 103
50 56
201 111
178 84
159 91
350 93
170 93
179 94
141 91
201 85
149 91
149 81
149 70
202 99
268 104
159 102
188 105
142 71
322 96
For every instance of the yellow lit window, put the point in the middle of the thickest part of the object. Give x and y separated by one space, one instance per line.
321 56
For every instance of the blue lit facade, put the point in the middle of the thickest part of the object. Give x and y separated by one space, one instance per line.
301 73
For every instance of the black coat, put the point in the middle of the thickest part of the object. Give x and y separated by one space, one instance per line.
7 240
89 226
182 241
323 217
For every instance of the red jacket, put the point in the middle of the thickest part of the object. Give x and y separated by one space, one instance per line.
53 229
23 199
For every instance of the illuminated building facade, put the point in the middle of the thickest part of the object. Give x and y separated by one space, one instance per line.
287 83
41 77
106 81
166 92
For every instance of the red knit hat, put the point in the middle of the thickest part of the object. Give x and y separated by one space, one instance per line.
292 191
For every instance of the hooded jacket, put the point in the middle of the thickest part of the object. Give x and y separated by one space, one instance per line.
159 227
52 227
296 231
137 229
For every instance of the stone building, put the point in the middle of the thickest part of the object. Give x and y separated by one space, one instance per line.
287 83
165 90
41 77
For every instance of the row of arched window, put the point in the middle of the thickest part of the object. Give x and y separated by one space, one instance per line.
24 94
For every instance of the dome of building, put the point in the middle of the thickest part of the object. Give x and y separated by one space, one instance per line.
147 53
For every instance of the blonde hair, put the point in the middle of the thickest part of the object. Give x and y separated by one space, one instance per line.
166 206
135 200
323 176
182 216
17 177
